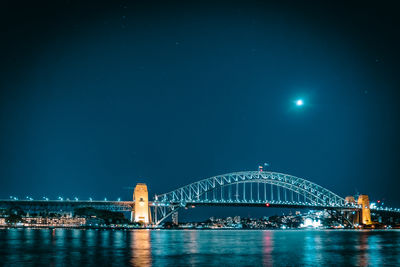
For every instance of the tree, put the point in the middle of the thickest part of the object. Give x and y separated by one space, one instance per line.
109 217
13 219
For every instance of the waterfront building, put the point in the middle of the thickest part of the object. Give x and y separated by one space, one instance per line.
60 222
175 218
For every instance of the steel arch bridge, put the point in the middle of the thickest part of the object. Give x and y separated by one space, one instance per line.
248 188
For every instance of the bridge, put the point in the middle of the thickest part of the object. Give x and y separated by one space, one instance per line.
247 189
251 188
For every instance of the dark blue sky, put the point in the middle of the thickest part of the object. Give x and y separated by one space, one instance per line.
96 97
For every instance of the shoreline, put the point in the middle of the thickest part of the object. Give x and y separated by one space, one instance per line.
185 229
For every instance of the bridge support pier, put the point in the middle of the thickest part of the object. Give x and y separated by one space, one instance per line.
365 213
141 208
352 216
341 217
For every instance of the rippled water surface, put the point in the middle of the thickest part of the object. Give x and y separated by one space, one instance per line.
67 247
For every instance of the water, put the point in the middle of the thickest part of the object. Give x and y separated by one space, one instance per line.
66 247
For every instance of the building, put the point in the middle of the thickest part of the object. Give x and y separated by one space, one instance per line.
175 218
62 221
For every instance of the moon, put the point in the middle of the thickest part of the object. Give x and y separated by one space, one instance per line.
299 102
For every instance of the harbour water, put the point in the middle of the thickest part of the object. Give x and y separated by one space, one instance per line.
74 247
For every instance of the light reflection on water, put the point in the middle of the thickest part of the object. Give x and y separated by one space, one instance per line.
64 247
268 245
140 248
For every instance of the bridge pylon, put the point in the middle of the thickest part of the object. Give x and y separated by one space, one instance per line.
141 207
365 214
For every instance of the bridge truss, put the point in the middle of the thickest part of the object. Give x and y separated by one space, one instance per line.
251 188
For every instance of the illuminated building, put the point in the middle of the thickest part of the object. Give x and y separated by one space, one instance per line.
308 222
62 221
175 218
141 209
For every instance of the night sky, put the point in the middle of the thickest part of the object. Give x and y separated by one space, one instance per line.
98 96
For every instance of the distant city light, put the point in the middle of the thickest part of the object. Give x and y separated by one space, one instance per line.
311 223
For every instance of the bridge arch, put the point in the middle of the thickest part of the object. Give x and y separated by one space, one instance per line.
243 188
309 192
